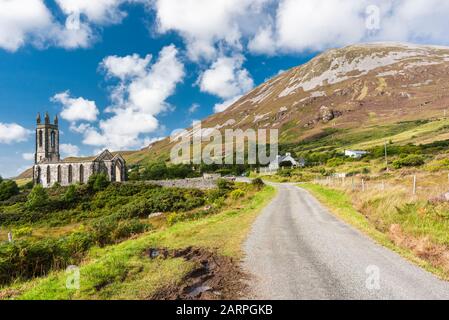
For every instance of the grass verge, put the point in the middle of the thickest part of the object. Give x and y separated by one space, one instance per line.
123 271
339 203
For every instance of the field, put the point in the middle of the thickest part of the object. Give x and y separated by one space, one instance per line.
123 253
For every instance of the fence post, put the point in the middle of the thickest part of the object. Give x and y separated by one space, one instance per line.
414 185
9 237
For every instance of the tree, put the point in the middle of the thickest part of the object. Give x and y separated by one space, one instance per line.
37 198
8 188
1 179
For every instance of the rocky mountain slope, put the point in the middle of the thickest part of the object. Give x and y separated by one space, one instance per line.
345 89
356 86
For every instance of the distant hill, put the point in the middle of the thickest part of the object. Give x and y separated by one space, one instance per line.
359 93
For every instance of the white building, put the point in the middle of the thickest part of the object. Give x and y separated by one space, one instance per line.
355 154
283 161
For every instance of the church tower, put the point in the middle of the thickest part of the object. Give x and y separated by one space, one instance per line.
47 140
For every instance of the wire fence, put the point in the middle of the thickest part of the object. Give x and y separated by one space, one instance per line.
415 185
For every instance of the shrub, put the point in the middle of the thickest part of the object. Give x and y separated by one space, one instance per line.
225 185
102 230
98 182
258 183
37 198
412 160
172 218
70 194
237 194
129 228
8 188
23 232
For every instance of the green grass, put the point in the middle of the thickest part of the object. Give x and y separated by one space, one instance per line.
341 205
123 271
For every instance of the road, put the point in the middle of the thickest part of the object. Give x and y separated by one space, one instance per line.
298 250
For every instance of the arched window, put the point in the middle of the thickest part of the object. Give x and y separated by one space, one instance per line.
40 138
38 175
118 172
70 175
59 174
53 139
48 175
81 174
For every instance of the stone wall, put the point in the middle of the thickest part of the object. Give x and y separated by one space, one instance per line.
197 183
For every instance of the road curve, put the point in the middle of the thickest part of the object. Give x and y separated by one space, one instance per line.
298 250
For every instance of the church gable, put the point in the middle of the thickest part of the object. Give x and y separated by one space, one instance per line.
104 156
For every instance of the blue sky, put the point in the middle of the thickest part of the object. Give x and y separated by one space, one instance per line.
121 73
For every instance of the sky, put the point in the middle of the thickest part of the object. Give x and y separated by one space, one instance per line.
123 73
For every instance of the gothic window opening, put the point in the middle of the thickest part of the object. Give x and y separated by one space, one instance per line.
81 174
70 175
38 178
40 138
53 139
48 175
59 174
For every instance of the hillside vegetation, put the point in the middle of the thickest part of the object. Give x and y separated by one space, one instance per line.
53 229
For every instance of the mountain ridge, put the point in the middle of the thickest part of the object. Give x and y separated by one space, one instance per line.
343 89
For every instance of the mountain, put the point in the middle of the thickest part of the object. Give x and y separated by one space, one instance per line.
356 87
357 93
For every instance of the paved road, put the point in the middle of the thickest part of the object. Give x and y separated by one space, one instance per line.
298 250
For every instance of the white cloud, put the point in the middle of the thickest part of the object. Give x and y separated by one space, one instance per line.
126 67
76 109
12 132
137 99
220 107
204 23
98 11
69 150
194 108
28 156
20 19
31 21
226 78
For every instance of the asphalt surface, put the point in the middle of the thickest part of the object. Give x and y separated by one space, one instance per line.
298 250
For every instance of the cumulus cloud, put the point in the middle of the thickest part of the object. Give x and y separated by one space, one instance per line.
12 132
138 97
69 150
76 109
20 19
28 156
31 21
204 23
226 78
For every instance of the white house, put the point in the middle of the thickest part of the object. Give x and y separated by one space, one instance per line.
283 161
356 154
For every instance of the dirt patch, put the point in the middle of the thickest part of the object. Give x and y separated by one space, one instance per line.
214 277
9 294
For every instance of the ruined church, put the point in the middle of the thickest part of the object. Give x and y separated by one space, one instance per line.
49 169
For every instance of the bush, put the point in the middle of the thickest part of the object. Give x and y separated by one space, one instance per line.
412 160
23 232
225 185
237 194
129 228
70 195
258 183
98 182
8 188
37 198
